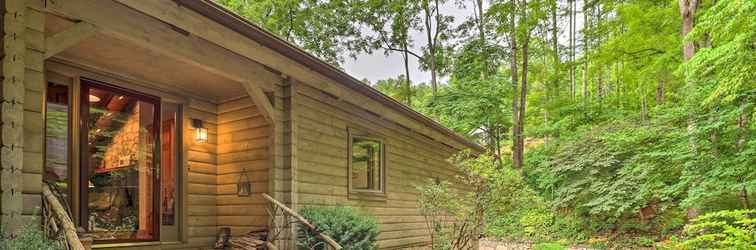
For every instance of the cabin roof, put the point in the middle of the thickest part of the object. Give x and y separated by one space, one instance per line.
226 17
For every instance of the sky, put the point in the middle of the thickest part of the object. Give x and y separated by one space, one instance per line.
377 66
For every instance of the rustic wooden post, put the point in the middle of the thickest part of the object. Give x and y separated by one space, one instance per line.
283 161
12 146
304 222
61 216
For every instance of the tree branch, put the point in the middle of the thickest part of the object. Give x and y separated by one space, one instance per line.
388 46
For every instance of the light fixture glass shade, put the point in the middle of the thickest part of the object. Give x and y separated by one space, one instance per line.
94 98
201 135
200 130
244 186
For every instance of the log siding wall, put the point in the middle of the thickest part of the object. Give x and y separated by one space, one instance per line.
238 138
34 122
201 175
411 159
243 136
23 122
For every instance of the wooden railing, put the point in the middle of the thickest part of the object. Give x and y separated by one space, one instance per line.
57 219
289 213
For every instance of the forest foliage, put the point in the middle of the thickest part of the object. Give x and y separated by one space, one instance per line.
627 122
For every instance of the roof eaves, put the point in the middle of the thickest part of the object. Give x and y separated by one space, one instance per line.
220 14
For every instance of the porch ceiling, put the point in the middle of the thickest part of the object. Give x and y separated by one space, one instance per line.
121 57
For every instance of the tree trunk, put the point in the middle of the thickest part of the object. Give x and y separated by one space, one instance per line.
600 84
687 12
644 108
515 110
620 87
660 92
555 45
482 37
408 83
573 14
586 25
524 85
585 78
498 145
546 121
743 120
432 42
434 82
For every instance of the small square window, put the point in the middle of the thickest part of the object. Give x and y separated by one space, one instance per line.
366 164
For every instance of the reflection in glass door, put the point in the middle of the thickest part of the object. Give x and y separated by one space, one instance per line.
119 156
57 115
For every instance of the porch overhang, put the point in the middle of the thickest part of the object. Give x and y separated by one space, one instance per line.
123 39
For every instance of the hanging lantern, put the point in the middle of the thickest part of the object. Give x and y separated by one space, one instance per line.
244 187
200 131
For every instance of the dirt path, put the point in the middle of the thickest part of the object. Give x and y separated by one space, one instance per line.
490 244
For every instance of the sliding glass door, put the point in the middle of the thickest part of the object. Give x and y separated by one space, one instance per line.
119 158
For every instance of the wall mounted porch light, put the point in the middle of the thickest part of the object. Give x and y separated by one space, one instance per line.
244 186
201 131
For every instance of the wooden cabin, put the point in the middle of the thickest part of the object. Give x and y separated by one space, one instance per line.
150 116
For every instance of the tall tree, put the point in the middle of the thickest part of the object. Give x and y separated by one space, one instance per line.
585 52
687 12
391 22
321 27
524 84
555 48
573 25
519 36
437 30
516 150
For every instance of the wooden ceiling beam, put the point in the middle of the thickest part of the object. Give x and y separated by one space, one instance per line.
127 24
261 101
67 38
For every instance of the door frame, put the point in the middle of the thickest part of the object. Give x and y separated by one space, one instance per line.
85 84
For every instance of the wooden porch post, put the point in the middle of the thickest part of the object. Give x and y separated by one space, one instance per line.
283 177
11 153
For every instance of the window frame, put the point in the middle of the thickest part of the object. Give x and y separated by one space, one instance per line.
55 78
351 135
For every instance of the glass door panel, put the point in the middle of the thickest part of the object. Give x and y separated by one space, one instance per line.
119 159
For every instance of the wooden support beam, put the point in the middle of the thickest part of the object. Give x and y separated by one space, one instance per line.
67 38
119 21
261 101
12 115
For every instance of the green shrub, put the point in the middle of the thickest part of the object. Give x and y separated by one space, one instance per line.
670 221
727 229
548 246
569 227
644 241
30 237
347 226
536 224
